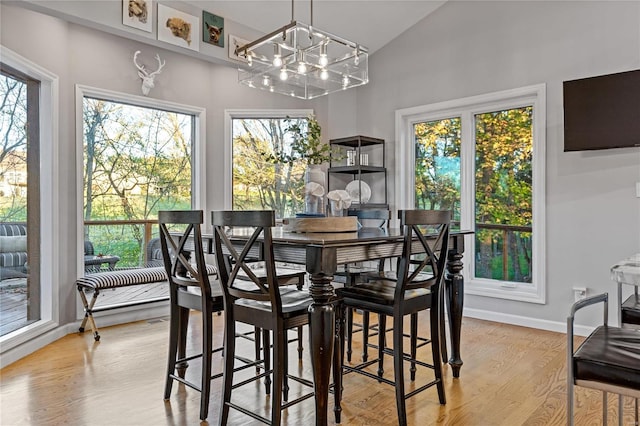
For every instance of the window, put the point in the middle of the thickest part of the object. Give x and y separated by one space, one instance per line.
254 181
138 158
28 146
483 158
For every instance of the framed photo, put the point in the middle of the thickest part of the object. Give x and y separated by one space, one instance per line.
212 29
178 28
235 41
138 14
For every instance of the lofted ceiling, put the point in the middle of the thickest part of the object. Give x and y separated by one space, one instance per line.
371 23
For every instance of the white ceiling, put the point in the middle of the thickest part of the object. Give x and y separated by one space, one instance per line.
371 23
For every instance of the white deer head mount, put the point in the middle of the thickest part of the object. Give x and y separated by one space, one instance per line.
147 77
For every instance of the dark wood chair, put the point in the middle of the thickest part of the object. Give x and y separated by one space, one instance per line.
607 360
257 300
189 288
417 288
354 274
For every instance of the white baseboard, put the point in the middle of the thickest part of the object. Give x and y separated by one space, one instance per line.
557 326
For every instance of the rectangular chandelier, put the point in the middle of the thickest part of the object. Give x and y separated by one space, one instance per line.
301 61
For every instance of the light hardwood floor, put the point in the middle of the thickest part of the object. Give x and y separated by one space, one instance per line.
511 376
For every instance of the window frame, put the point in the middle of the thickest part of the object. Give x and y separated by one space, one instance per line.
49 225
229 116
198 152
466 109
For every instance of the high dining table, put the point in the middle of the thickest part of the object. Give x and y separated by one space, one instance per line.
321 253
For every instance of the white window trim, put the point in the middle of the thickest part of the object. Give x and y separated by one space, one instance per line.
229 115
466 108
199 149
49 217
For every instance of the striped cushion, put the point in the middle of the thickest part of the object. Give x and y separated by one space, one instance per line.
12 229
127 277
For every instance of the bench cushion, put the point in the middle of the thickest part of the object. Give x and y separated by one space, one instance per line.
127 277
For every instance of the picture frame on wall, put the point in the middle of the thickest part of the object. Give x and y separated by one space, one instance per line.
178 28
234 42
212 29
138 14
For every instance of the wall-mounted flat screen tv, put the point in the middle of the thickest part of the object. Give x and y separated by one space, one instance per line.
602 112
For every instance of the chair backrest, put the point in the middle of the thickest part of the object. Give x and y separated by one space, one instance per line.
365 216
182 249
233 257
425 247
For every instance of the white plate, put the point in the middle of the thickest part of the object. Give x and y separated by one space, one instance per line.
354 188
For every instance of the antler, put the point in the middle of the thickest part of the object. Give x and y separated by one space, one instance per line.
161 65
140 67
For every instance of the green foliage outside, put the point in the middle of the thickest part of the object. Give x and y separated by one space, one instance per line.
137 161
503 182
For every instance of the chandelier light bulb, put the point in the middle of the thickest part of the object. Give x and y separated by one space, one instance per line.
324 75
277 56
283 74
265 80
271 88
249 60
345 81
302 68
324 60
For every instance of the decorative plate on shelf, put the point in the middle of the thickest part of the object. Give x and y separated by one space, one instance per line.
354 188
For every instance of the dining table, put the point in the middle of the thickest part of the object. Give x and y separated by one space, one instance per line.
321 253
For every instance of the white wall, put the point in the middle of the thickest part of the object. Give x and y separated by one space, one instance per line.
471 48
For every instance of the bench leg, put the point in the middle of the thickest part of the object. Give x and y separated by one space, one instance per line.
88 312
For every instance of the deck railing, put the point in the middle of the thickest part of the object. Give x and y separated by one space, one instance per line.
127 238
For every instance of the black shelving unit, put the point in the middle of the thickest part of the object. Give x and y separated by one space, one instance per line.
339 171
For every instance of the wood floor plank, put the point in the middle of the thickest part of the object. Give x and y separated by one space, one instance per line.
511 376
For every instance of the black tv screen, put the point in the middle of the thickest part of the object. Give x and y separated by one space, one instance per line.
602 112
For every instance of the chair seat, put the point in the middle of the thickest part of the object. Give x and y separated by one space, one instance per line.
381 292
610 355
631 310
286 276
293 301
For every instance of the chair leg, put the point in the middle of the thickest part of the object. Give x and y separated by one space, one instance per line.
279 347
338 359
398 369
207 347
229 357
300 348
256 343
183 326
604 408
414 346
365 336
349 332
285 368
173 350
382 327
443 329
266 342
435 352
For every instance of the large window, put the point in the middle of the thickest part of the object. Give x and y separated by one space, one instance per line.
483 158
28 193
257 183
139 157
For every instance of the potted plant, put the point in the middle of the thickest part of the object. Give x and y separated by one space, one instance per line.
306 148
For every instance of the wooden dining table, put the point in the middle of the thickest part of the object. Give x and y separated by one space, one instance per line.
322 253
